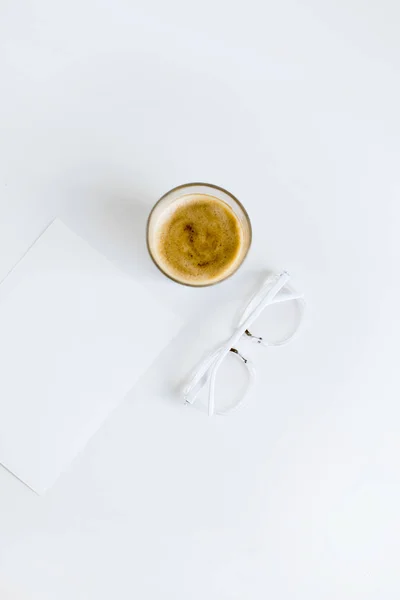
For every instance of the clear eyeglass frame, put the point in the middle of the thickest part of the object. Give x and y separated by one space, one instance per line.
274 289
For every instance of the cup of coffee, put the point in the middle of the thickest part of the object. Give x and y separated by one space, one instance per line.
198 234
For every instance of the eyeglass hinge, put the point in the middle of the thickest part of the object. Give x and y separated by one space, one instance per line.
238 353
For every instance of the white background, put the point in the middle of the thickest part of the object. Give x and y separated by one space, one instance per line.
294 107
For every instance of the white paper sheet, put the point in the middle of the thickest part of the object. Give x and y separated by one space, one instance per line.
75 335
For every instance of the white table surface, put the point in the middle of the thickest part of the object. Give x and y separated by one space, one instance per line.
294 107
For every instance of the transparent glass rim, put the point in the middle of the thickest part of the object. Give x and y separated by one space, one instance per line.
188 186
205 373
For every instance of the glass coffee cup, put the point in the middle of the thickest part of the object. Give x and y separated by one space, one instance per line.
198 234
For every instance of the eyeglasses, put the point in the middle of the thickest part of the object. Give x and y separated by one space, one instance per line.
206 371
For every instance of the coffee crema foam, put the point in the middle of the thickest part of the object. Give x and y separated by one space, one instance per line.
198 240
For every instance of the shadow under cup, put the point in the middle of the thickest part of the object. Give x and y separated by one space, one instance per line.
165 206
